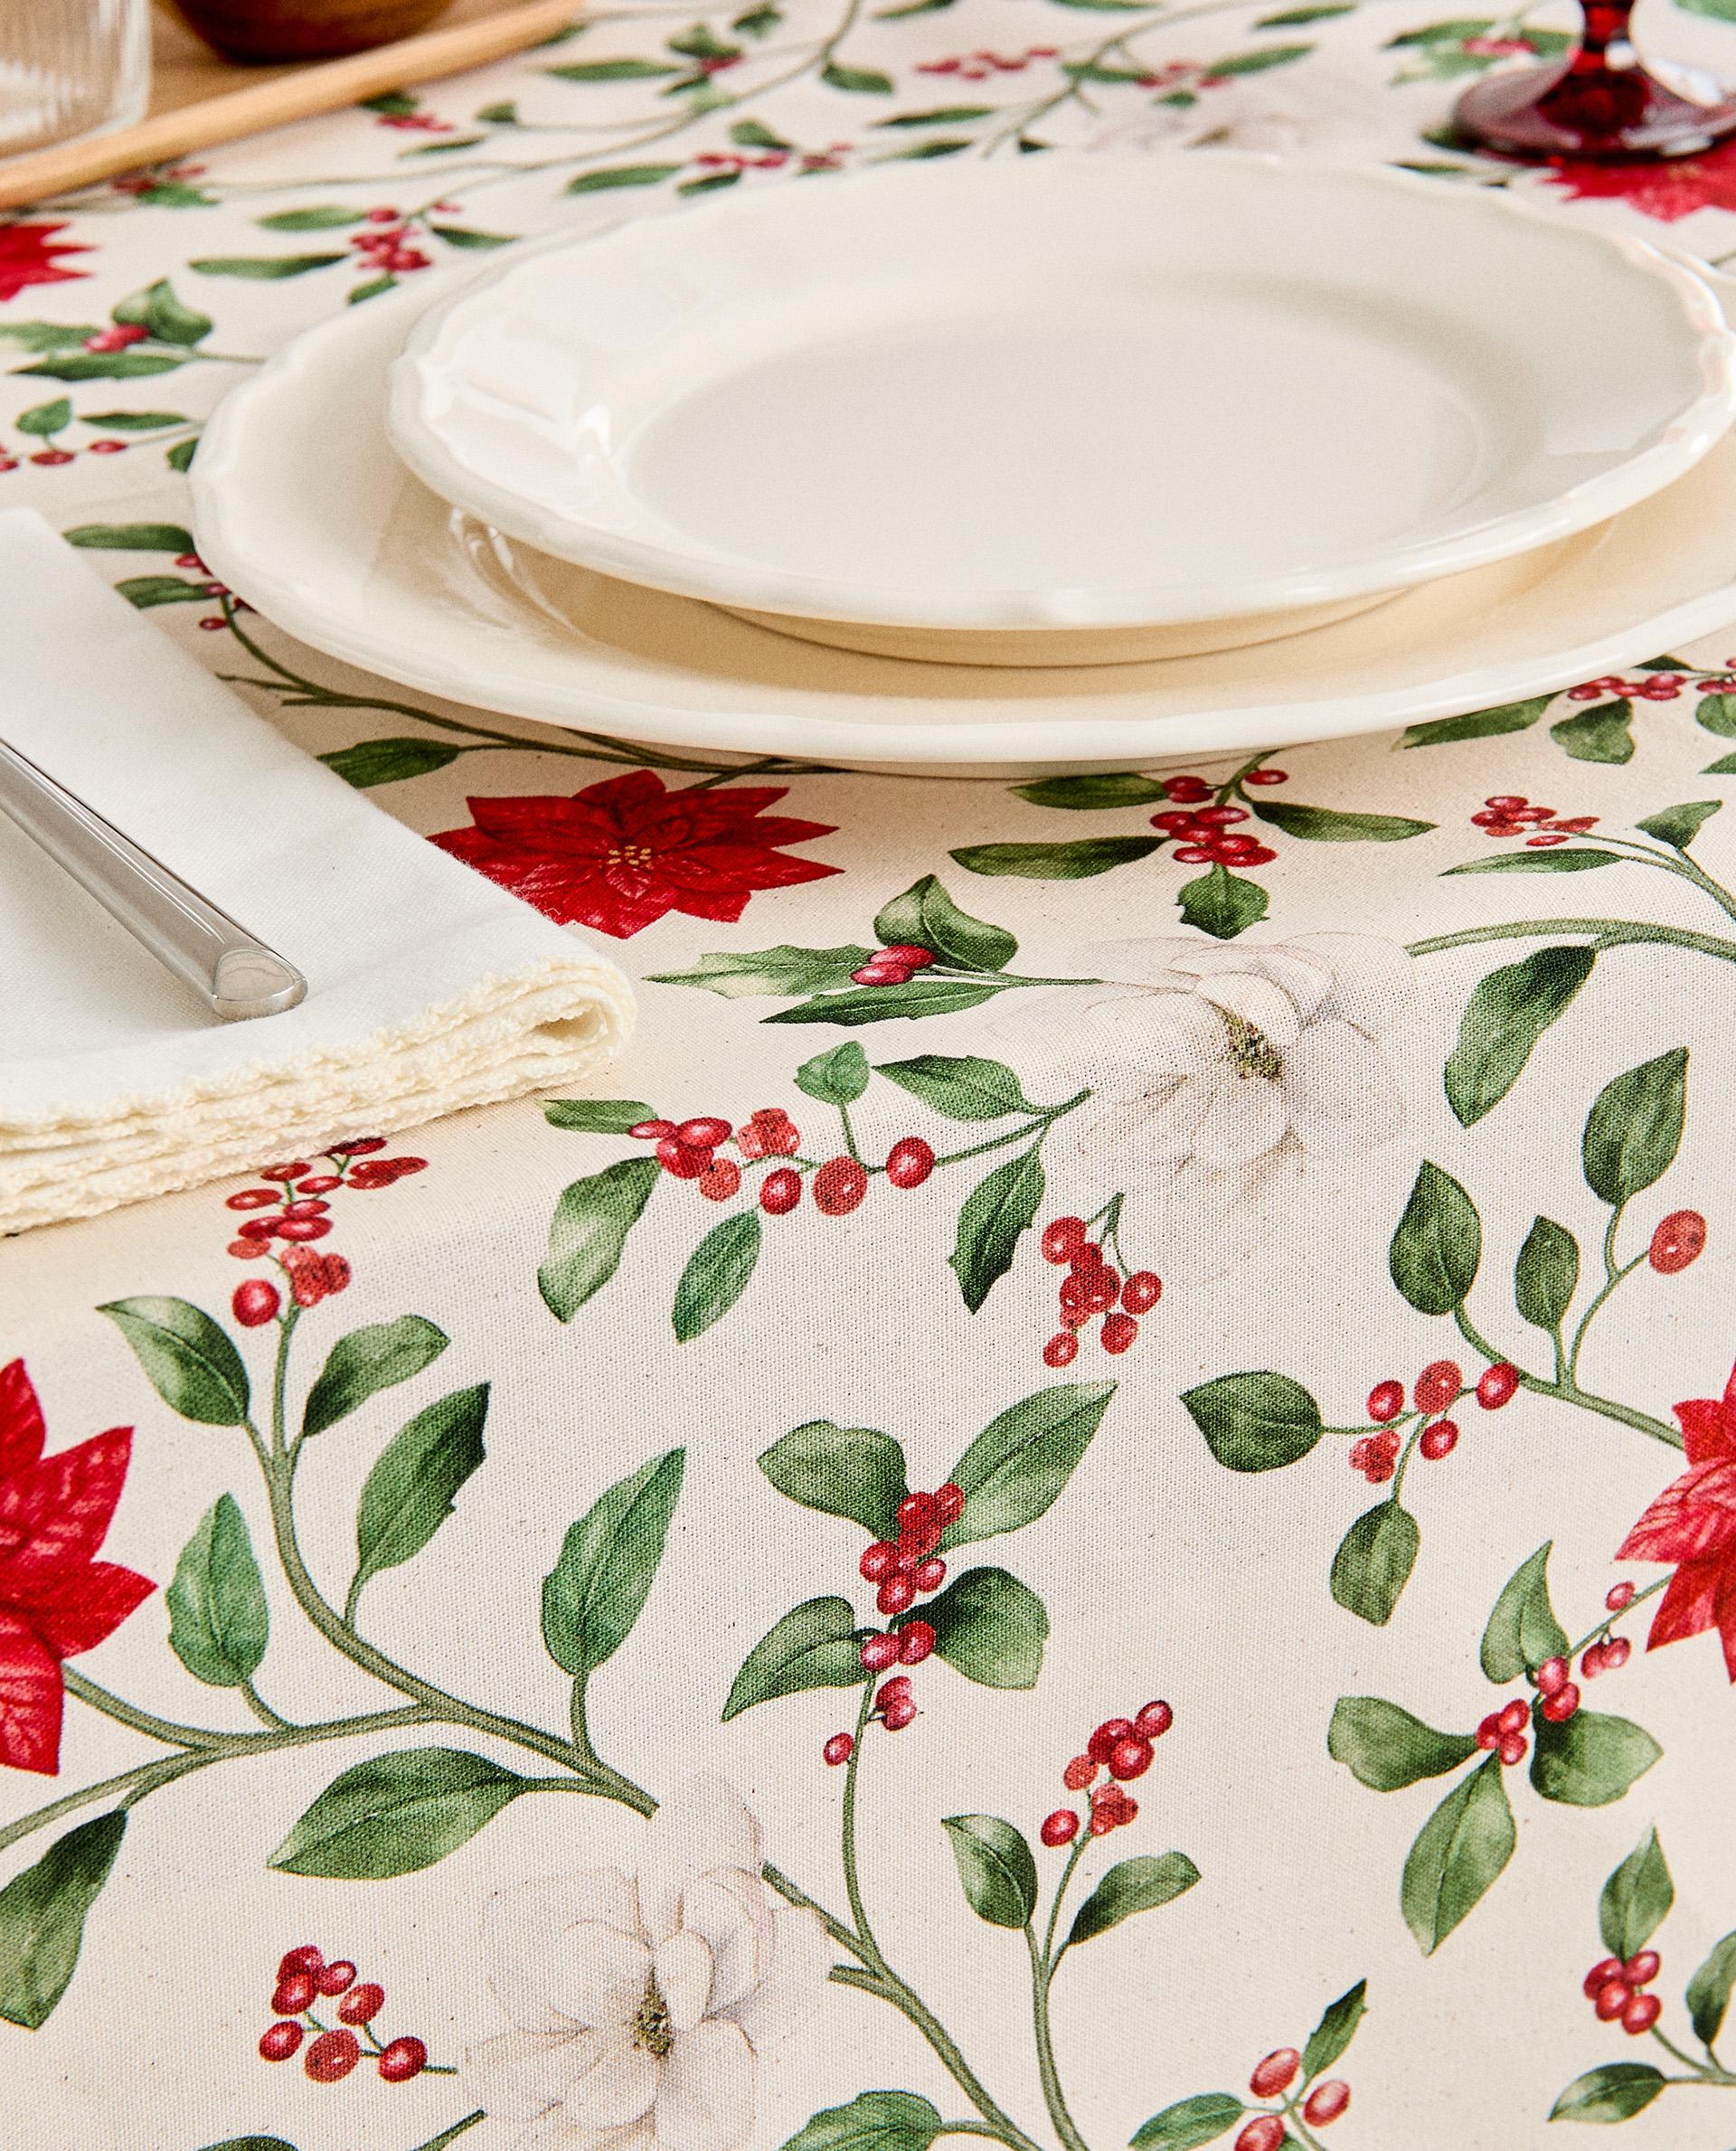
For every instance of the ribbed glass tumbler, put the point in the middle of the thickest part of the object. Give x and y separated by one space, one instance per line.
71 68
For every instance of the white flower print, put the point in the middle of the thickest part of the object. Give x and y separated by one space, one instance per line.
1222 1072
641 2003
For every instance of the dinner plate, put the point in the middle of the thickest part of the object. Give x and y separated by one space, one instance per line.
301 506
1175 397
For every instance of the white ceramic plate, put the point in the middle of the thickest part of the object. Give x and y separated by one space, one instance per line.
1066 393
301 506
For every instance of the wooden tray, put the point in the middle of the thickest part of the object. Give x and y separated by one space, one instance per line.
199 99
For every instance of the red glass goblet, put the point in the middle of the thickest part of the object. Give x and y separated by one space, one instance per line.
1601 105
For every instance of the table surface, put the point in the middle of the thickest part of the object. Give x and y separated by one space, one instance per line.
536 1465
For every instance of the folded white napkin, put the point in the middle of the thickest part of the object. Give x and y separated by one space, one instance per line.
429 989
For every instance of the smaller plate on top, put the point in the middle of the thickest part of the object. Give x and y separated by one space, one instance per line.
301 506
1206 399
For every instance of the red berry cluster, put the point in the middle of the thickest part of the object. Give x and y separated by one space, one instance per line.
142 183
1502 1731
688 1150
384 249
902 1571
1440 1384
894 964
1093 1286
298 1215
1511 814
1558 1696
976 67
1609 1653
414 123
305 1976
1122 1747
1615 1991
772 161
1657 686
1205 833
1679 1238
1271 2079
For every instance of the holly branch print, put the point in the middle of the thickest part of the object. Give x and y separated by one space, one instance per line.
1600 730
1512 1007
1579 1758
1202 822
1294 2094
988 1626
767 1169
1634 1903
1261 1420
400 1810
932 959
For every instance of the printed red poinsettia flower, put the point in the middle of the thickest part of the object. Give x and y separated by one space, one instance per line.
56 1599
1669 190
1692 1523
618 854
28 256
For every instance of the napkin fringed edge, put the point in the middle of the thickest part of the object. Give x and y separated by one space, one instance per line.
509 1036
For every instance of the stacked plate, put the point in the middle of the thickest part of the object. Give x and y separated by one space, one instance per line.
1059 464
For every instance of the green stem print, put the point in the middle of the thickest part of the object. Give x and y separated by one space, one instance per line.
1578 1757
1634 1903
399 1809
1262 1421
762 1172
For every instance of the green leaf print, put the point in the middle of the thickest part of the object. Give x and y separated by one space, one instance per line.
1591 1760
596 1116
1523 1631
1636 1900
43 1913
1255 1421
1131 1886
991 1627
1190 2123
397 1813
1546 1274
854 1472
1221 903
218 1622
589 1231
999 1210
597 1589
1438 1245
876 2121
995 1866
415 1481
1374 1561
1633 1128
1016 1467
360 1365
188 1360
1332 2034
1615 2092
1599 734
961 1086
1386 1749
926 917
717 1274
1709 1990
837 1077
815 1645
1459 1855
1505 1018
1078 861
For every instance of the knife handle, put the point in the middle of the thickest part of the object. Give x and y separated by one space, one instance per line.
234 974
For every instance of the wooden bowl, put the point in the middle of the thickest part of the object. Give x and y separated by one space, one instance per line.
279 29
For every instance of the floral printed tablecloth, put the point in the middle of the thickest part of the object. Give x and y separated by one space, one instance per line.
1096 1504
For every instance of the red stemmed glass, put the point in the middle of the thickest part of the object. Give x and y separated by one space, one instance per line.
1603 105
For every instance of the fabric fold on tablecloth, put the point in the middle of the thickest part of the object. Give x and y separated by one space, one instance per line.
429 989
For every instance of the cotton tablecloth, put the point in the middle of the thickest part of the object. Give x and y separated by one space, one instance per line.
1096 1504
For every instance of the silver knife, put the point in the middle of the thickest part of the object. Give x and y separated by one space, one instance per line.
232 972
